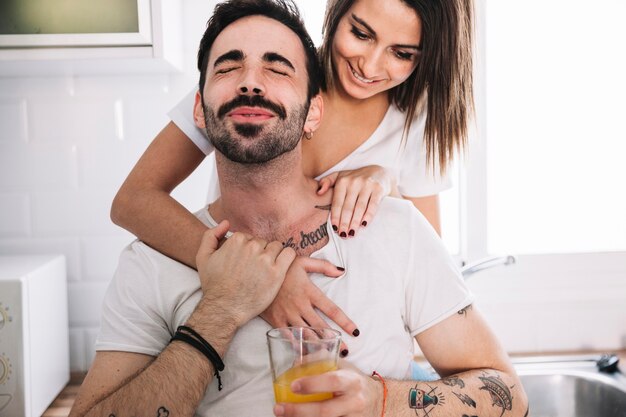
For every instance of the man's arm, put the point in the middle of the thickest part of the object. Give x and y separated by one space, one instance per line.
174 383
477 376
122 383
477 380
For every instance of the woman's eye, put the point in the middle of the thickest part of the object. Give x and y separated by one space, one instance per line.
406 56
360 35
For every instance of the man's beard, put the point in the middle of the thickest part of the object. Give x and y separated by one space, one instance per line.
256 143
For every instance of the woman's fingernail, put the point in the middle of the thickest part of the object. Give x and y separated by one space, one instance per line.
344 353
295 387
351 232
356 332
364 223
279 410
341 268
343 234
334 228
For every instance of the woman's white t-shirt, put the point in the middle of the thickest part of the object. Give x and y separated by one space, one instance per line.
385 148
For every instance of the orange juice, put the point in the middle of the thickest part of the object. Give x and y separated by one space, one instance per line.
282 389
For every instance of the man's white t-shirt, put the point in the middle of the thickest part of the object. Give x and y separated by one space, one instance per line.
399 281
407 161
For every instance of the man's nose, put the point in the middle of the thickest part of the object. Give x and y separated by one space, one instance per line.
251 84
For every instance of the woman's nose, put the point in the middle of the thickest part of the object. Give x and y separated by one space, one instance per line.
372 63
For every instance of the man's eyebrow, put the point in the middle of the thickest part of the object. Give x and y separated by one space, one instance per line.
232 55
373 33
275 57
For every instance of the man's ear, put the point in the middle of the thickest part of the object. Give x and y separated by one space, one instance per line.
314 117
198 112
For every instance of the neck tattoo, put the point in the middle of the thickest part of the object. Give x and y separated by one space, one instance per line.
308 239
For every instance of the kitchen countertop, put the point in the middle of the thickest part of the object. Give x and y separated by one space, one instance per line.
63 403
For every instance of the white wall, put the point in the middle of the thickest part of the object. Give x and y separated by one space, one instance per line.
66 145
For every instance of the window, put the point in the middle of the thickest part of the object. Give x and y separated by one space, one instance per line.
556 142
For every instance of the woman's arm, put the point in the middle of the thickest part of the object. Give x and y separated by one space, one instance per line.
143 205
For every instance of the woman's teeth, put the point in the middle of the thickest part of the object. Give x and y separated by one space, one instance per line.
358 77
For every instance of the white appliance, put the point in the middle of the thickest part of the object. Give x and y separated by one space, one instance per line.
34 342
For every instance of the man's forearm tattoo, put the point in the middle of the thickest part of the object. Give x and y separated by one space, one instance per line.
424 401
500 394
465 399
453 380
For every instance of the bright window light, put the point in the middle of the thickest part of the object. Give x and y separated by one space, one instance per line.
556 88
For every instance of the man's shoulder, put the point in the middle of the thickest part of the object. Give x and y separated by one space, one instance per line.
139 259
393 204
402 217
400 209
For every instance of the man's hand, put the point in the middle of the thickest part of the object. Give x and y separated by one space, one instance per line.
241 274
355 394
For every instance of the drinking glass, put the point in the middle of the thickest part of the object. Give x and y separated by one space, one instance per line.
296 352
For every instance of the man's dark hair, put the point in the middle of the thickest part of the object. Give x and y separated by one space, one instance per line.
283 11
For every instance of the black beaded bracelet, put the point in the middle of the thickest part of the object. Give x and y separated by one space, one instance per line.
191 337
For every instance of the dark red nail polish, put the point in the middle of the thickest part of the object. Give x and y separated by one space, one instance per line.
334 228
343 234
356 332
351 232
341 269
344 353
364 223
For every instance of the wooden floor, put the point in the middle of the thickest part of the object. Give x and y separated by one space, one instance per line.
63 403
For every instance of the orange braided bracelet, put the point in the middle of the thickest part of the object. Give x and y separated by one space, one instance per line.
376 374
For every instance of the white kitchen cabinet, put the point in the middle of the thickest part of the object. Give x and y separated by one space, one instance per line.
43 37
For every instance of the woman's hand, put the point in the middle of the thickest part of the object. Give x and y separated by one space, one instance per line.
356 196
298 298
355 394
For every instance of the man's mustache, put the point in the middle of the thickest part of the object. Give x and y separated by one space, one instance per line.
251 101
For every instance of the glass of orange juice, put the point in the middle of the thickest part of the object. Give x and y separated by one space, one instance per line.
296 352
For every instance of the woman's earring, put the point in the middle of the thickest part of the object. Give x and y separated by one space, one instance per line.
308 135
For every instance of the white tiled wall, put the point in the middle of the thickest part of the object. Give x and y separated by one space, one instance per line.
66 145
